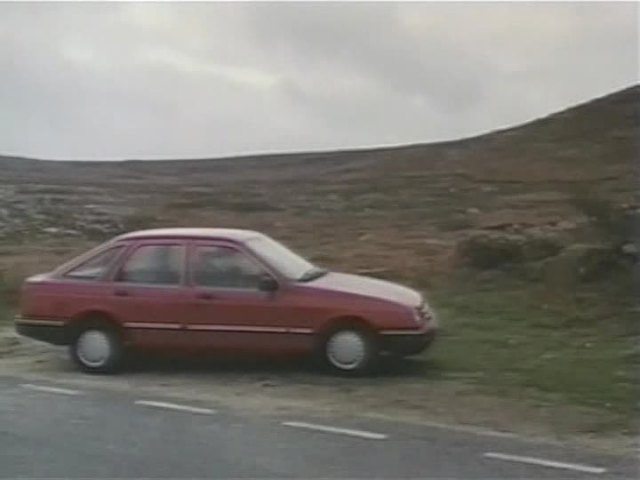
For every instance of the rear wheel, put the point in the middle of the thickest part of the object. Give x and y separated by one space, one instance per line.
97 349
350 350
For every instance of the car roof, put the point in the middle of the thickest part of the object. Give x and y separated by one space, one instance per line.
218 233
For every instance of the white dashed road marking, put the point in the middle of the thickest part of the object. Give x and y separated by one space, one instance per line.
461 428
175 406
545 463
43 388
341 431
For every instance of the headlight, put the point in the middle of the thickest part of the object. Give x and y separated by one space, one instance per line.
423 314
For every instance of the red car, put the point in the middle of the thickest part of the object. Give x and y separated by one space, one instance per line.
218 290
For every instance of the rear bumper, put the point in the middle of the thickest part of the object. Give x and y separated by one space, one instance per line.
408 343
49 331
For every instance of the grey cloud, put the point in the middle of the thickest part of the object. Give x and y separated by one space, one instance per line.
370 41
86 80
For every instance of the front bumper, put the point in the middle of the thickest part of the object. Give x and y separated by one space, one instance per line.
407 343
49 331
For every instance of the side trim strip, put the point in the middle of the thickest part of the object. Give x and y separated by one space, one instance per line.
216 328
236 328
247 329
177 326
40 322
403 332
299 330
153 326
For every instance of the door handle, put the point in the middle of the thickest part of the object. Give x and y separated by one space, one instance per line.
121 293
205 296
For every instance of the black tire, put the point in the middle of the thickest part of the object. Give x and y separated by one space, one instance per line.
110 348
364 342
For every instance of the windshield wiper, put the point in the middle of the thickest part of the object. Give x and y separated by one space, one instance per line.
312 274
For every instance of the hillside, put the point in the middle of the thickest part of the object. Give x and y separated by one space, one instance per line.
529 177
588 147
524 236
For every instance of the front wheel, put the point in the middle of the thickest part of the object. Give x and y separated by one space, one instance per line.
350 350
97 349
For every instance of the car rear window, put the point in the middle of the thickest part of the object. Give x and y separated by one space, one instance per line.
96 266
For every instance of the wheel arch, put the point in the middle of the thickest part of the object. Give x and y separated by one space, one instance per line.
343 321
93 317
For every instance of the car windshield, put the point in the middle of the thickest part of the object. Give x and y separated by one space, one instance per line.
288 263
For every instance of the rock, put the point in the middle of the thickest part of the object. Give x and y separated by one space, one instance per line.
500 226
566 225
473 211
630 249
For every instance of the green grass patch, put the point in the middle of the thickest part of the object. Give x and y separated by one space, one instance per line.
8 294
6 313
511 337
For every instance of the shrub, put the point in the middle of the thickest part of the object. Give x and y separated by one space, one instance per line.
497 250
489 251
617 224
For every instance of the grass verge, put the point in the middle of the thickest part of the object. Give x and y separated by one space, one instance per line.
6 314
513 339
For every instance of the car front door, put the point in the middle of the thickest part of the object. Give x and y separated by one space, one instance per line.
149 295
231 310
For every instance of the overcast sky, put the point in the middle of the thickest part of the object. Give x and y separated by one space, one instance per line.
111 81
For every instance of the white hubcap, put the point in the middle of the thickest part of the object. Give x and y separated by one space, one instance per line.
93 348
346 349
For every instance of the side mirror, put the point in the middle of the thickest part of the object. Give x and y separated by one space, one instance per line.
268 284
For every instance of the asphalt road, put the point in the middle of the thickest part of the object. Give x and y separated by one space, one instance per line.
49 430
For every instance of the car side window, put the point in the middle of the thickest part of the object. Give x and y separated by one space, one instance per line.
224 267
154 264
95 267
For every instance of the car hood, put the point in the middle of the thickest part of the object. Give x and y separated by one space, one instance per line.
369 287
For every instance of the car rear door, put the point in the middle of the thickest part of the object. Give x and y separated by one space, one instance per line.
228 309
149 294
